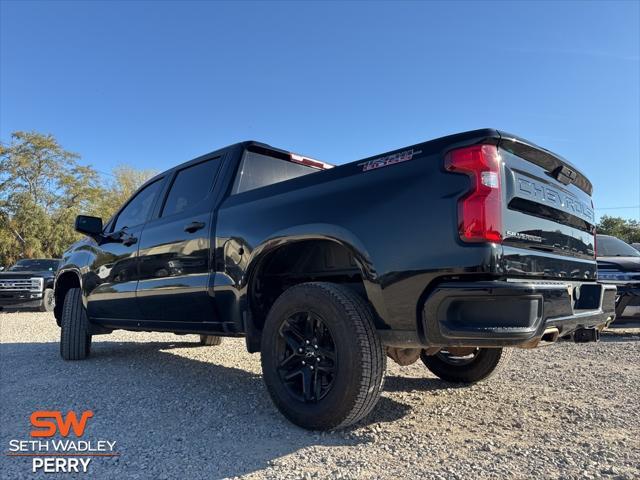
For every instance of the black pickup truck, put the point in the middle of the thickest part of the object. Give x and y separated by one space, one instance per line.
28 284
448 251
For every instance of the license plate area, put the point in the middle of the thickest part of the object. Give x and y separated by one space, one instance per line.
586 296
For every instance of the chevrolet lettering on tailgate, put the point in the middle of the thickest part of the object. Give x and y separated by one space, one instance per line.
556 198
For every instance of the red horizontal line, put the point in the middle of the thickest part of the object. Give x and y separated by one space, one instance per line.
44 454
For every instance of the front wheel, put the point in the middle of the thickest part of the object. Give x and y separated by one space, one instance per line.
322 360
466 365
75 340
48 301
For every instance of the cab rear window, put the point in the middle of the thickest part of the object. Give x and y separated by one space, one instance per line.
259 170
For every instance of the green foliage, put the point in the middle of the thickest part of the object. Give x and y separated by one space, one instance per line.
43 188
125 180
624 229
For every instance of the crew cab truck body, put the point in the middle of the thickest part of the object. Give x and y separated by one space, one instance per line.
448 250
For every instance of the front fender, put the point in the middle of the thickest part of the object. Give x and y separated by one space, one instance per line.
76 263
71 269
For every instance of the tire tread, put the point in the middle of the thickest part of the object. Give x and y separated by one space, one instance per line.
373 357
75 339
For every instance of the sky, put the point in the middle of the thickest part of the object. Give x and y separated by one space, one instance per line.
153 84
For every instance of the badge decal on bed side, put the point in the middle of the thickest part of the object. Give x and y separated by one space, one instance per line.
389 160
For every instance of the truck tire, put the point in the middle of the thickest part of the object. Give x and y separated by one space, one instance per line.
478 365
322 360
210 340
48 301
75 340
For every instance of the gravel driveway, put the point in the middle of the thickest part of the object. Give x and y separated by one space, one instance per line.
179 410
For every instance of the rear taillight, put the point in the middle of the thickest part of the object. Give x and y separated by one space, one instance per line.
480 210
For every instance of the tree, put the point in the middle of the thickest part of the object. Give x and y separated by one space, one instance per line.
43 188
624 229
124 181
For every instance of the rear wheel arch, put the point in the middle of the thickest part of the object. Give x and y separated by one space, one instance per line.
296 261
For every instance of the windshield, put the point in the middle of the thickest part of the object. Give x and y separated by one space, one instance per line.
614 247
35 266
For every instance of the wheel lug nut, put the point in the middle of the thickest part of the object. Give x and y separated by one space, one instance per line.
315 346
311 367
307 342
300 350
318 359
304 363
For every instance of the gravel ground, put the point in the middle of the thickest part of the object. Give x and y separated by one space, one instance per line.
178 410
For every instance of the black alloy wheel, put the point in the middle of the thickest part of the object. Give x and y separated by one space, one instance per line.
307 355
322 359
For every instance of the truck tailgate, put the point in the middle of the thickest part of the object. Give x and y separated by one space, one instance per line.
548 216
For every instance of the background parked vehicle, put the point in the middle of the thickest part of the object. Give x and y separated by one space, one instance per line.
619 264
29 284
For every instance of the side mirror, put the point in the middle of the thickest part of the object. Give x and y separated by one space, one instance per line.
91 226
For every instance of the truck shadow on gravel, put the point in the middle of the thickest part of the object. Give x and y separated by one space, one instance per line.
171 416
413 384
620 334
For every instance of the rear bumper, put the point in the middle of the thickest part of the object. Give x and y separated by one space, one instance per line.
502 314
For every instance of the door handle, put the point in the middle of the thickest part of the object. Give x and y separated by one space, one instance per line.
194 227
130 240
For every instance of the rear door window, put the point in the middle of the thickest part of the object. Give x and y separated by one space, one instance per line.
190 187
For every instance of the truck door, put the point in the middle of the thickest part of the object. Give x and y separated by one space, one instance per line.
175 248
113 278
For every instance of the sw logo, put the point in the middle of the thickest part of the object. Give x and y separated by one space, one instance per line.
43 419
68 456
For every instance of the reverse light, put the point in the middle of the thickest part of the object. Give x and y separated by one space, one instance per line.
480 210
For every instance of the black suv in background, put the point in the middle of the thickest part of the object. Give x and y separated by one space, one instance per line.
619 265
446 251
29 284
